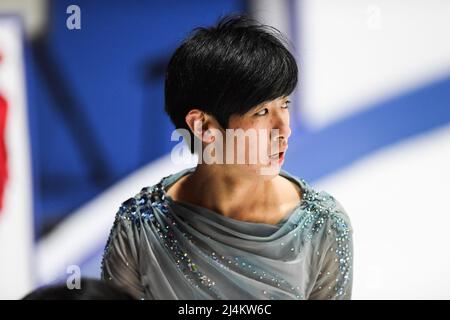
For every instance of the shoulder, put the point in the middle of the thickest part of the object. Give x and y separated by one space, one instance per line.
329 227
325 211
150 200
131 213
142 205
337 212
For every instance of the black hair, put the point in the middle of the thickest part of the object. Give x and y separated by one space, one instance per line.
228 69
90 289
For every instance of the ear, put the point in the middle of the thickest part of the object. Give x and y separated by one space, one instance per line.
202 125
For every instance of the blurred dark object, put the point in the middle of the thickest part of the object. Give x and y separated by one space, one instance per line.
90 289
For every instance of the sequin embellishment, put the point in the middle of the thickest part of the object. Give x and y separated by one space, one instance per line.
319 208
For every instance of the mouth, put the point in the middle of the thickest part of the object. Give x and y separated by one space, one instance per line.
278 156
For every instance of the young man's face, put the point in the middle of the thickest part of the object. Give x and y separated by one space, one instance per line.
264 136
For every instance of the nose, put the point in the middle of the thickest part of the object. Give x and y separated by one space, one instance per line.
281 123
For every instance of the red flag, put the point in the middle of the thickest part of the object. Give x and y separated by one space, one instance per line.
3 151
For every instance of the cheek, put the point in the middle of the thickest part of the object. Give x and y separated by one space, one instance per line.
261 128
261 145
242 123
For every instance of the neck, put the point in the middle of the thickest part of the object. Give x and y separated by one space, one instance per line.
226 190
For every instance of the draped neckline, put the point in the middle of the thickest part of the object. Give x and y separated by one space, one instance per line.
238 225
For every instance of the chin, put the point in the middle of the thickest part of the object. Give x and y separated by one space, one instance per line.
270 171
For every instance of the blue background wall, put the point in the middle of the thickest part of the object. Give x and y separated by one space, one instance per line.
96 94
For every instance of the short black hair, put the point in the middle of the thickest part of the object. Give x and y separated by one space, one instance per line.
91 289
228 69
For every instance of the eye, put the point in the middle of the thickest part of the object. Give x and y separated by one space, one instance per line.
286 105
262 112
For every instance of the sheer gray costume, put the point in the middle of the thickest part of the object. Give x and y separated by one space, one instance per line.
160 248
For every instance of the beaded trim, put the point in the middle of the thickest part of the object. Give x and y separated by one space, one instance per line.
319 206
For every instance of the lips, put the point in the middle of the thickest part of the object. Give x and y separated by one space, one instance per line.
278 158
279 154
